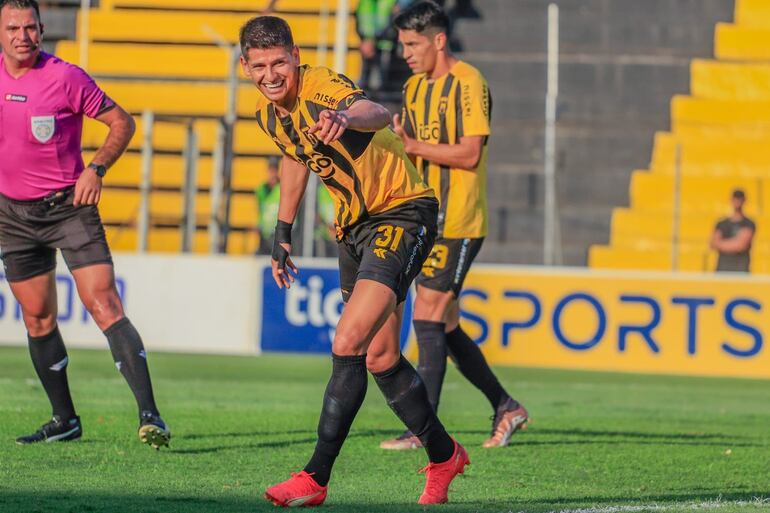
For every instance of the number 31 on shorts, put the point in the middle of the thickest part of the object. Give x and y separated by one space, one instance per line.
390 237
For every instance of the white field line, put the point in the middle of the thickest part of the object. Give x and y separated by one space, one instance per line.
687 506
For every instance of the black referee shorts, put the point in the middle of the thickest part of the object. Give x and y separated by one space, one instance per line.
389 248
32 231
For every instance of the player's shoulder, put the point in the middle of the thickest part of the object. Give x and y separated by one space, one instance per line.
413 80
468 72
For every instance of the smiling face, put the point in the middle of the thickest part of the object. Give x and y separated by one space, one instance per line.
275 72
20 34
421 49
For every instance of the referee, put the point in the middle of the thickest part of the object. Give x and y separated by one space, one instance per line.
48 201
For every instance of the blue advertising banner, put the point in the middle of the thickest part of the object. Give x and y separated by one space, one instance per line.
303 318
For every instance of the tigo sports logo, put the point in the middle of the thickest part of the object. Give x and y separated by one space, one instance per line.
304 317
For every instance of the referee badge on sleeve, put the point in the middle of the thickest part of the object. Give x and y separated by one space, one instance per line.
43 127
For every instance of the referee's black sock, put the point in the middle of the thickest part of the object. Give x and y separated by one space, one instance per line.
406 395
131 360
343 397
472 364
49 356
431 341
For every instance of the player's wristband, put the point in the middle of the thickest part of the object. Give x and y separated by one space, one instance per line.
282 235
283 232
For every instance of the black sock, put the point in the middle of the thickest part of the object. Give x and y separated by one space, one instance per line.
407 397
431 341
472 364
343 397
49 357
131 360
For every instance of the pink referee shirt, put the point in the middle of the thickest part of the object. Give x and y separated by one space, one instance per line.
41 123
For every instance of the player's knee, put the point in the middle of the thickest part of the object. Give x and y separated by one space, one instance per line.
382 359
431 307
349 342
39 325
105 308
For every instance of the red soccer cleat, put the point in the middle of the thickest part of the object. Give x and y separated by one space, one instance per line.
299 490
438 476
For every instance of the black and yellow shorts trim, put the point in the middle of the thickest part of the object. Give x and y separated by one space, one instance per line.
448 264
389 248
32 231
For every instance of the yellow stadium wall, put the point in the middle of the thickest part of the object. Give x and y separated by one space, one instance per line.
573 319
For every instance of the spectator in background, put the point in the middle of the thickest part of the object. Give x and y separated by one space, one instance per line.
377 41
733 236
268 195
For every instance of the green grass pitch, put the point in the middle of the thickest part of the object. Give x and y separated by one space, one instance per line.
598 442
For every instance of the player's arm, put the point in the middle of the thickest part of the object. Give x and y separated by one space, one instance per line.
88 188
463 155
363 116
293 183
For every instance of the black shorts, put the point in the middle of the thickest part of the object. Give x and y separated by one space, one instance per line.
389 248
448 264
32 231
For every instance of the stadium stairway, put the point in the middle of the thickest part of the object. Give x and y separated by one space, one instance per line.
722 130
621 62
164 56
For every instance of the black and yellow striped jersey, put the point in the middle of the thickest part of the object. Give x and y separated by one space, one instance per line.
365 172
440 112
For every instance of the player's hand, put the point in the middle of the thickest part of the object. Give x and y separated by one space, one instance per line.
331 125
284 269
399 129
88 188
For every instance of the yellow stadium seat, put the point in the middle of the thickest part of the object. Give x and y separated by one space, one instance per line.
167 136
605 257
122 238
655 192
242 242
174 61
747 118
255 6
715 80
754 13
200 27
742 43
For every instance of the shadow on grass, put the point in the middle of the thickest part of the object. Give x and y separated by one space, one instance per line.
68 502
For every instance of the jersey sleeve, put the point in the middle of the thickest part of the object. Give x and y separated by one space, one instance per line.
334 90
85 96
473 104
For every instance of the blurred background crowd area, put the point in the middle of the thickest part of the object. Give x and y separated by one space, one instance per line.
663 113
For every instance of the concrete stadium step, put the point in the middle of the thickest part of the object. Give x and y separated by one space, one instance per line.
682 28
730 81
199 27
716 156
742 43
172 61
255 6
248 138
754 13
741 118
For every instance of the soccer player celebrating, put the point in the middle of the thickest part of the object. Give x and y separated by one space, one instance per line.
386 224
444 124
48 201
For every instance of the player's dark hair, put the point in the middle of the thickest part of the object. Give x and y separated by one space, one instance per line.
422 16
265 32
22 4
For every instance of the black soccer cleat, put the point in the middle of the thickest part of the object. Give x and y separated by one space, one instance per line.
153 431
54 431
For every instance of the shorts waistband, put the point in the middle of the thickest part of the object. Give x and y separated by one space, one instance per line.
53 198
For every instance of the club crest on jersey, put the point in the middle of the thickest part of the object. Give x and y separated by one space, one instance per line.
442 105
43 128
10 97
